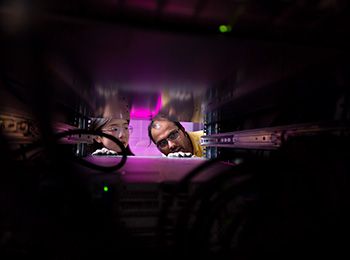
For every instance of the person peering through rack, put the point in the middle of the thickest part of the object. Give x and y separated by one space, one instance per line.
115 121
171 138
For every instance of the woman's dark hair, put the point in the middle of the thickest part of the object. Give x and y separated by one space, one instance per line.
97 124
163 117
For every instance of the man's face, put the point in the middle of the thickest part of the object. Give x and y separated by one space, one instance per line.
169 138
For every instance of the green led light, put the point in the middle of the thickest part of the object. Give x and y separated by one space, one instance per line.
105 188
225 28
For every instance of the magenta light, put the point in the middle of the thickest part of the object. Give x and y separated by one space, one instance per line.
145 113
158 105
140 113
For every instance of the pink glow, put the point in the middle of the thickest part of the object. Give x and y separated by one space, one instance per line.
139 141
145 113
158 105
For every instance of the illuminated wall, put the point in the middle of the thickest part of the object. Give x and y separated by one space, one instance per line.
139 141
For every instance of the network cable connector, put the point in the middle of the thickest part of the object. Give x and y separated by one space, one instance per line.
18 128
75 138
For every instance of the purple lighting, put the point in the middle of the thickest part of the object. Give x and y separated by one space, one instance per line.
139 141
146 113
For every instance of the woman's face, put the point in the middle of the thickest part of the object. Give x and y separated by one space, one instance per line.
118 128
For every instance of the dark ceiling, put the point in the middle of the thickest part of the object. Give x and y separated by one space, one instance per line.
147 45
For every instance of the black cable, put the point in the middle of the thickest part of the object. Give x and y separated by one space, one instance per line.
205 205
175 192
81 161
185 180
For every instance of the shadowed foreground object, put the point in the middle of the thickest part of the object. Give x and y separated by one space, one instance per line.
266 81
